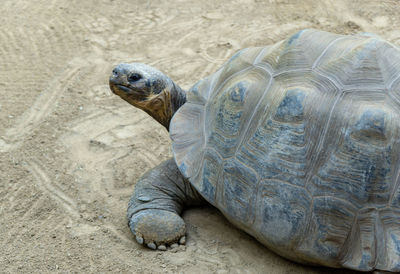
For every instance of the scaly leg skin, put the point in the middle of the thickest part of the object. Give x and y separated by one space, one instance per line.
159 198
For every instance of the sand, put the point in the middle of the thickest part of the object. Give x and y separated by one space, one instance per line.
71 152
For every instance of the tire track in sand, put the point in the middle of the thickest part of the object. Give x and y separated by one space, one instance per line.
51 188
42 107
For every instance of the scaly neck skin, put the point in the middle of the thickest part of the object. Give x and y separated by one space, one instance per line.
178 98
164 105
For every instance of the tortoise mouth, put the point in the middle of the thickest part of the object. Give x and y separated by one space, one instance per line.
124 88
127 92
118 88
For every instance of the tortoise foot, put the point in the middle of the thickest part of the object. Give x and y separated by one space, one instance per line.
158 229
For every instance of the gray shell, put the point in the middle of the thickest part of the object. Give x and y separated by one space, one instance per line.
298 144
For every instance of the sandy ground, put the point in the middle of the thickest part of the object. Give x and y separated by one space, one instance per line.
71 152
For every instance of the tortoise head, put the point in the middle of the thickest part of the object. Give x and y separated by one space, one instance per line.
148 89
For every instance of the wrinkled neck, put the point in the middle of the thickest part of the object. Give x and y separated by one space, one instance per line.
178 98
164 105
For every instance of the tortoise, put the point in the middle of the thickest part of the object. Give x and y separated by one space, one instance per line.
296 143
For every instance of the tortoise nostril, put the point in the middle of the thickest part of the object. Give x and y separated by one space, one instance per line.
115 72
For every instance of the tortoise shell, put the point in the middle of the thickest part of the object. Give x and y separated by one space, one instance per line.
298 144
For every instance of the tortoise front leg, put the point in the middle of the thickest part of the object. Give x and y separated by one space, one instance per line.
158 200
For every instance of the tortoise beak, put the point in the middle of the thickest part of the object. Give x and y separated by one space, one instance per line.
117 76
118 81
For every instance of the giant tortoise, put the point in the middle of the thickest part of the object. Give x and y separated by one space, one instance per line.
297 143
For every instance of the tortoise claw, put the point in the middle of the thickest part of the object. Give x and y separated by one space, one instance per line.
139 240
152 246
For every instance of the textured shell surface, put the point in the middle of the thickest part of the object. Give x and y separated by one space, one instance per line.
298 144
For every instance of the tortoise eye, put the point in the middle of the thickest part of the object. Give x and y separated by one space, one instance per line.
134 77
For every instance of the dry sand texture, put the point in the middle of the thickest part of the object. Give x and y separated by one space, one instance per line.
71 152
